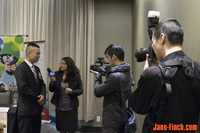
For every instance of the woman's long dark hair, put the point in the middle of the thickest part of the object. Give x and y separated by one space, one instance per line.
72 70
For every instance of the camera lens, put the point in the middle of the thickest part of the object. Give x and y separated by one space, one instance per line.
140 54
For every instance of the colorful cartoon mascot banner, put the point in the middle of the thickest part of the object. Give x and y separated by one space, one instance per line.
11 55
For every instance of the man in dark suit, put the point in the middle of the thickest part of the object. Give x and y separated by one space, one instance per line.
32 91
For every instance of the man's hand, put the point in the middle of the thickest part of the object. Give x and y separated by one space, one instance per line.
150 63
68 90
41 101
94 72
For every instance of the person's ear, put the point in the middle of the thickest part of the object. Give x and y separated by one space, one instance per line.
114 57
29 53
162 35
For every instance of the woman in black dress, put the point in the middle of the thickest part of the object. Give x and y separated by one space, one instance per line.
66 85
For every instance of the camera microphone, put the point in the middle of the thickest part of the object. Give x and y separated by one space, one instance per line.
50 73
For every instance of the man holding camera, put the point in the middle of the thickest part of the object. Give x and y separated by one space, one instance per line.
110 89
169 93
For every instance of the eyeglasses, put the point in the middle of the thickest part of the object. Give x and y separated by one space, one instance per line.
62 63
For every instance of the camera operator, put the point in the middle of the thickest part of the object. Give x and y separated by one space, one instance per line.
113 121
181 104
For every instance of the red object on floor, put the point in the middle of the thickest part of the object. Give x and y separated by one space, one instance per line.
45 114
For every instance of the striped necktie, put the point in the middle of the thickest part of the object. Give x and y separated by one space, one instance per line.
34 72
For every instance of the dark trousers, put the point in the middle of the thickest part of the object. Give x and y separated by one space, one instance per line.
29 124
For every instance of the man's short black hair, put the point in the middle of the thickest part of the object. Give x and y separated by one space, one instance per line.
172 30
33 45
28 48
115 49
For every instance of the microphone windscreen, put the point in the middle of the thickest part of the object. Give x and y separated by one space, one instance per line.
48 70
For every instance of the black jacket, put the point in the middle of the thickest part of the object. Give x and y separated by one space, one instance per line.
181 106
76 87
110 90
29 90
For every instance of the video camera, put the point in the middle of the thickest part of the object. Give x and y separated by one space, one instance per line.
153 20
100 68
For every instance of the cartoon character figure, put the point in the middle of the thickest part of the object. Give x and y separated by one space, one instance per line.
2 87
10 52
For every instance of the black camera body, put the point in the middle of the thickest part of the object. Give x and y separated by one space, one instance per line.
140 53
153 20
100 68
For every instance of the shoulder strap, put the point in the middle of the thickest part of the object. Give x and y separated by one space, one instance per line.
123 101
168 70
167 74
194 77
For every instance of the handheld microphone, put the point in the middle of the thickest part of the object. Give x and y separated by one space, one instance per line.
50 73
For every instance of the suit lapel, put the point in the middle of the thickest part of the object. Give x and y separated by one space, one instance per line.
30 71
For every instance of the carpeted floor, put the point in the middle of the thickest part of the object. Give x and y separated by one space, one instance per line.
51 128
